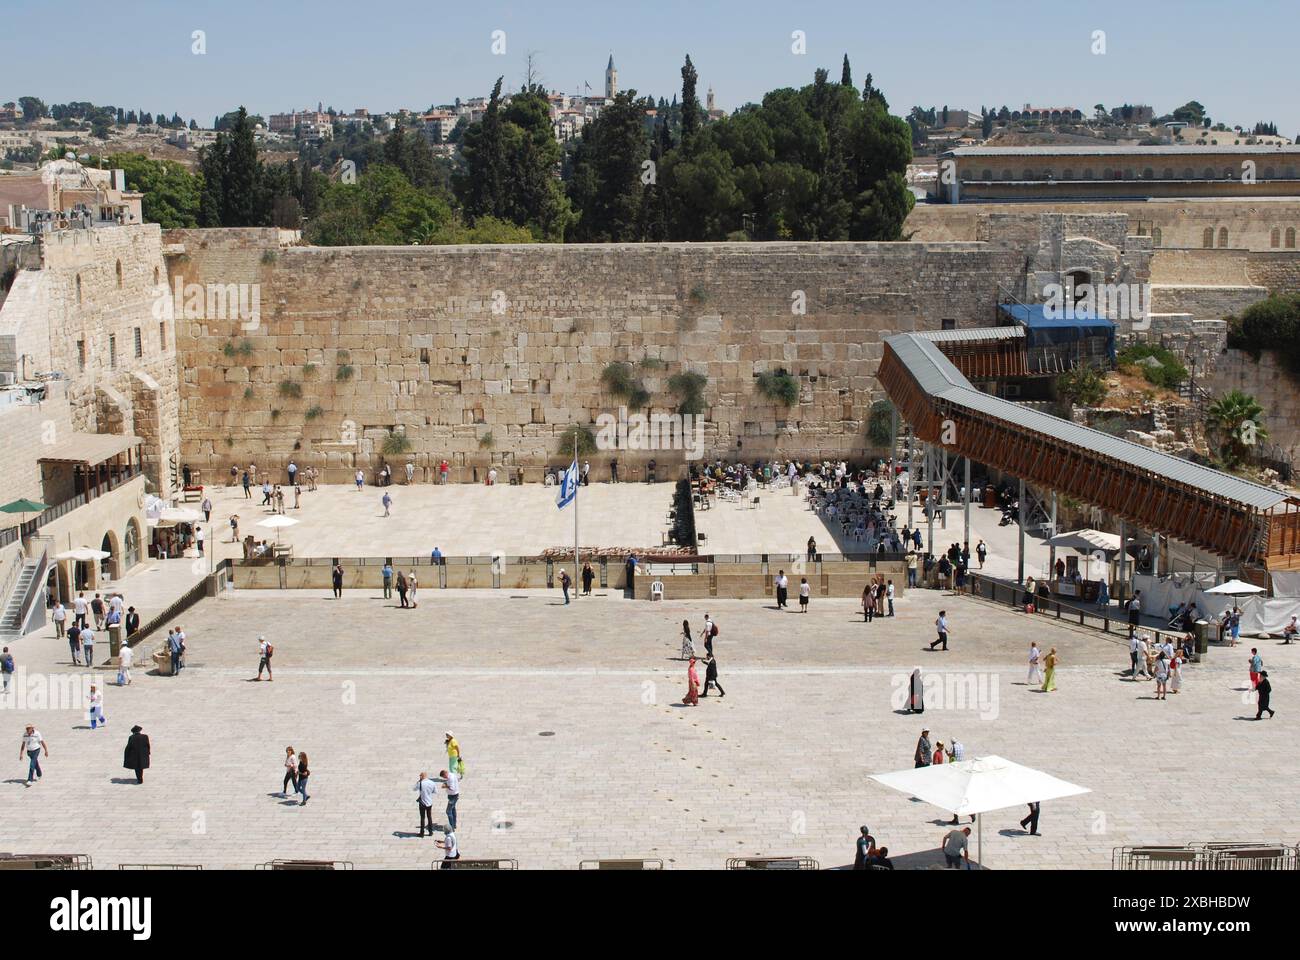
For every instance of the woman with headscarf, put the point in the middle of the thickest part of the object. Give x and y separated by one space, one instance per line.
1049 677
692 698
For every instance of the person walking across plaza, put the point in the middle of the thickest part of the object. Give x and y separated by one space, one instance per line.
1162 676
1256 666
387 575
60 617
1049 670
868 604
413 588
426 790
6 668
565 581
32 745
711 677
981 553
451 783
97 717
86 637
125 660
588 575
74 643
941 628
175 647
136 755
291 772
1035 664
401 589
1264 691
688 645
304 774
79 609
387 501
248 486
924 752
782 589
336 579
692 698
1031 820
264 653
805 591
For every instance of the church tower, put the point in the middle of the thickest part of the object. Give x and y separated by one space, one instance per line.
709 101
611 80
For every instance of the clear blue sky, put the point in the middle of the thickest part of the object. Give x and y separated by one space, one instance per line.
272 55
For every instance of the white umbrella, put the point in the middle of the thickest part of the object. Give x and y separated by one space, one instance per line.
1086 541
277 521
84 554
1235 588
977 786
180 515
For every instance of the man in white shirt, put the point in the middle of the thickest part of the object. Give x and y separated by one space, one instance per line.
941 627
125 657
33 744
426 790
1290 630
87 638
782 589
889 595
1133 646
448 843
1035 656
79 609
450 783
199 536
60 617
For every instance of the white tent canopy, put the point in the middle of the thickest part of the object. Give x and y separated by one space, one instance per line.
1235 588
180 515
978 785
82 554
277 521
1086 541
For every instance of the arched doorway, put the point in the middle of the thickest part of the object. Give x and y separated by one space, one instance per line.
131 545
1077 283
110 567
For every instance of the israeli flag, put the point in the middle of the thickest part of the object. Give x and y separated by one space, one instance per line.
568 486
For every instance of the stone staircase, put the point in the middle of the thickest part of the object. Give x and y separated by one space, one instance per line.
11 620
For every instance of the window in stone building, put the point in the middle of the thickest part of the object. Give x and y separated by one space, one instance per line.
1223 236
424 354
1207 238
139 344
78 289
81 355
119 274
131 545
1290 238
112 352
1156 237
1275 237
948 323
162 335
155 276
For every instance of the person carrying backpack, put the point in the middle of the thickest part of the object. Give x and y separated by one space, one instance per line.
267 651
6 668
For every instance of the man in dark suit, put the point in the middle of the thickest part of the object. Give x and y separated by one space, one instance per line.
136 755
711 677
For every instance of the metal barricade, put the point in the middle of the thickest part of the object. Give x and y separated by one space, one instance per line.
44 861
466 863
650 863
159 866
772 863
305 865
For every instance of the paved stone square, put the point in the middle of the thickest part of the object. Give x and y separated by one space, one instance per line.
779 766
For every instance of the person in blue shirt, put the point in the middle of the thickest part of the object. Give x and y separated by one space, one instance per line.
436 556
387 573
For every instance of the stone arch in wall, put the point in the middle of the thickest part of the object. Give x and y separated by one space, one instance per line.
1068 175
110 567
1275 237
1223 236
131 541
1207 237
1290 238
1156 236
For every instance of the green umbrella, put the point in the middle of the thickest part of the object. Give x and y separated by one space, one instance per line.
24 507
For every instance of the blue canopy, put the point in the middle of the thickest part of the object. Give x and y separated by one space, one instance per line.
1042 330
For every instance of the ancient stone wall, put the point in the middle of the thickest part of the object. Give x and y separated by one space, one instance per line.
453 344
81 315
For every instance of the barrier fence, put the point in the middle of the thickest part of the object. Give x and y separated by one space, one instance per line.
1244 855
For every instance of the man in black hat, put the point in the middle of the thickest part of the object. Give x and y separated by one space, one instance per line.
136 755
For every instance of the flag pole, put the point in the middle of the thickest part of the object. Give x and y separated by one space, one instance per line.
577 482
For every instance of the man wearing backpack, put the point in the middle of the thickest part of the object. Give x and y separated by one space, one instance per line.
6 667
266 651
710 631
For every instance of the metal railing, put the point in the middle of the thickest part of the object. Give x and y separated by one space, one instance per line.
45 861
159 866
305 865
651 863
178 606
1207 856
772 863
466 863
984 587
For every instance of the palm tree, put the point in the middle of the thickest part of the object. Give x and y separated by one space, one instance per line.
1236 422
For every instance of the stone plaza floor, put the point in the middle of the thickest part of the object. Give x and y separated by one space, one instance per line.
577 745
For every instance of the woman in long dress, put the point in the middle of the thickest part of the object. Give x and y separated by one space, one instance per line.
688 646
1176 674
692 698
1035 670
1049 680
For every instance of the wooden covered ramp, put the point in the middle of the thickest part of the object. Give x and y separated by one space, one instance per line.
1215 511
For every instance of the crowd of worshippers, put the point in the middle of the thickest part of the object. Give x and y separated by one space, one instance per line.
863 510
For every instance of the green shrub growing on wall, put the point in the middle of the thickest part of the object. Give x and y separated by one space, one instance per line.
618 380
779 387
586 441
689 387
290 389
1170 372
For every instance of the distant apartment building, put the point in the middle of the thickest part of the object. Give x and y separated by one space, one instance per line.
436 126
63 194
10 113
289 122
1047 114
973 174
